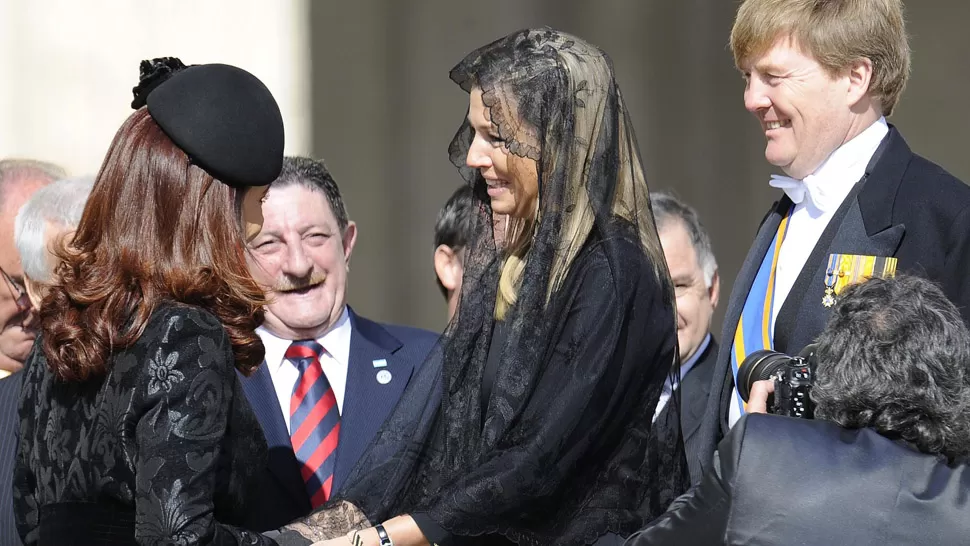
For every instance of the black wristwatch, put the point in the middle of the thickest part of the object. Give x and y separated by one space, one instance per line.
382 534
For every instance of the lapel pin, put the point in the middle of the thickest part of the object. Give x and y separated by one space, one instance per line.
384 377
379 363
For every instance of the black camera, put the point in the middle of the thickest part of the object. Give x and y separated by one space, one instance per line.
793 376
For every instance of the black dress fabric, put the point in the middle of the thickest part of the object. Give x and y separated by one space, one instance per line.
561 449
429 528
161 450
493 362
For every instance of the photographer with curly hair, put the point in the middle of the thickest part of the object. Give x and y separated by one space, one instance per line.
883 461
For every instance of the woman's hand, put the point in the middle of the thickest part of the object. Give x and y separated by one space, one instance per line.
327 524
758 399
364 537
402 530
339 541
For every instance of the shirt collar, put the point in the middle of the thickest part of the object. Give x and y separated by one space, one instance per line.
853 156
336 341
686 366
832 181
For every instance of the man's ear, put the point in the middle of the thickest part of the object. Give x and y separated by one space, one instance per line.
446 267
715 290
35 291
349 240
860 78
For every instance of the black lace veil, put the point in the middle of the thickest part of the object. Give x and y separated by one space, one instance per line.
522 470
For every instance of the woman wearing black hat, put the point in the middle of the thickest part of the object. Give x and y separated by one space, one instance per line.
564 338
134 428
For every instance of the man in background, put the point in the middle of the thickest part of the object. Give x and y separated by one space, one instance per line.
19 180
693 269
452 231
48 218
331 377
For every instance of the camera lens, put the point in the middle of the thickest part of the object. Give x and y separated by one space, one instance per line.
757 366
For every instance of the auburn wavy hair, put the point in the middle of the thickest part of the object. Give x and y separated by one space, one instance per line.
156 229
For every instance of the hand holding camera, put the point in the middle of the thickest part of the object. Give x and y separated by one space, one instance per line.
783 383
760 395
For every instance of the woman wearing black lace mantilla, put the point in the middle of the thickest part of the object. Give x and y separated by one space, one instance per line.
134 428
551 372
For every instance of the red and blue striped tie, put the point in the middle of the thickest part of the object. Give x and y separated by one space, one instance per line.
314 421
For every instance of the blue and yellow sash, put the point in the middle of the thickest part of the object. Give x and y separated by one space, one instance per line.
754 331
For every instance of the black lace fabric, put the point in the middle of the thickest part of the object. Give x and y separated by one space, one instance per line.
566 450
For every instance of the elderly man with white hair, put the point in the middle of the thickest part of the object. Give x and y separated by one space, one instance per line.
46 219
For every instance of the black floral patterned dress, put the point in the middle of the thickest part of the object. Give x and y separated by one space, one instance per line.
158 451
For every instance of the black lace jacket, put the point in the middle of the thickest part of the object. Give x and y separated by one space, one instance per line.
158 451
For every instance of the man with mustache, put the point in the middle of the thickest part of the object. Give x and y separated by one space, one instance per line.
330 377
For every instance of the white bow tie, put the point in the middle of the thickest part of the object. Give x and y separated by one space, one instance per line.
797 190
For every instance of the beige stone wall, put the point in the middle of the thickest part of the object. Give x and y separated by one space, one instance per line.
67 66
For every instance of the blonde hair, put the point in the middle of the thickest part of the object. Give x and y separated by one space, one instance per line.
836 33
518 237
630 202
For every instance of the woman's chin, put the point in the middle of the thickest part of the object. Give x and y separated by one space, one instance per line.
503 205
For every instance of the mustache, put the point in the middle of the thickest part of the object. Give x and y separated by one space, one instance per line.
289 284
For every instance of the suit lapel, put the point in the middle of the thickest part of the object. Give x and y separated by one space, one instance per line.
695 390
368 400
281 460
862 226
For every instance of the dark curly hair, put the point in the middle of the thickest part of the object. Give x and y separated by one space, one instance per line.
156 228
895 356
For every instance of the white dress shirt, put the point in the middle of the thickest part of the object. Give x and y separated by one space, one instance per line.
335 361
668 389
831 182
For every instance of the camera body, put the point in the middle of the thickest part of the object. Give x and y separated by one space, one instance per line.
793 377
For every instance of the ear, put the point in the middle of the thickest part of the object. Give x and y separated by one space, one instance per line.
445 267
860 77
349 240
715 290
35 291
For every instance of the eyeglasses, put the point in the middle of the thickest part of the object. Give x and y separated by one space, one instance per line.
18 292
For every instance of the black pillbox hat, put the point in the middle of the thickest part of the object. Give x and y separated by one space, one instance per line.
223 117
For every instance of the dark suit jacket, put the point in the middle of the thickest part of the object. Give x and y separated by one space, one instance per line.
367 403
906 207
783 481
9 398
695 389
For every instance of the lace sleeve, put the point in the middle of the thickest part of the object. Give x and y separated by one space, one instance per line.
186 393
330 521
